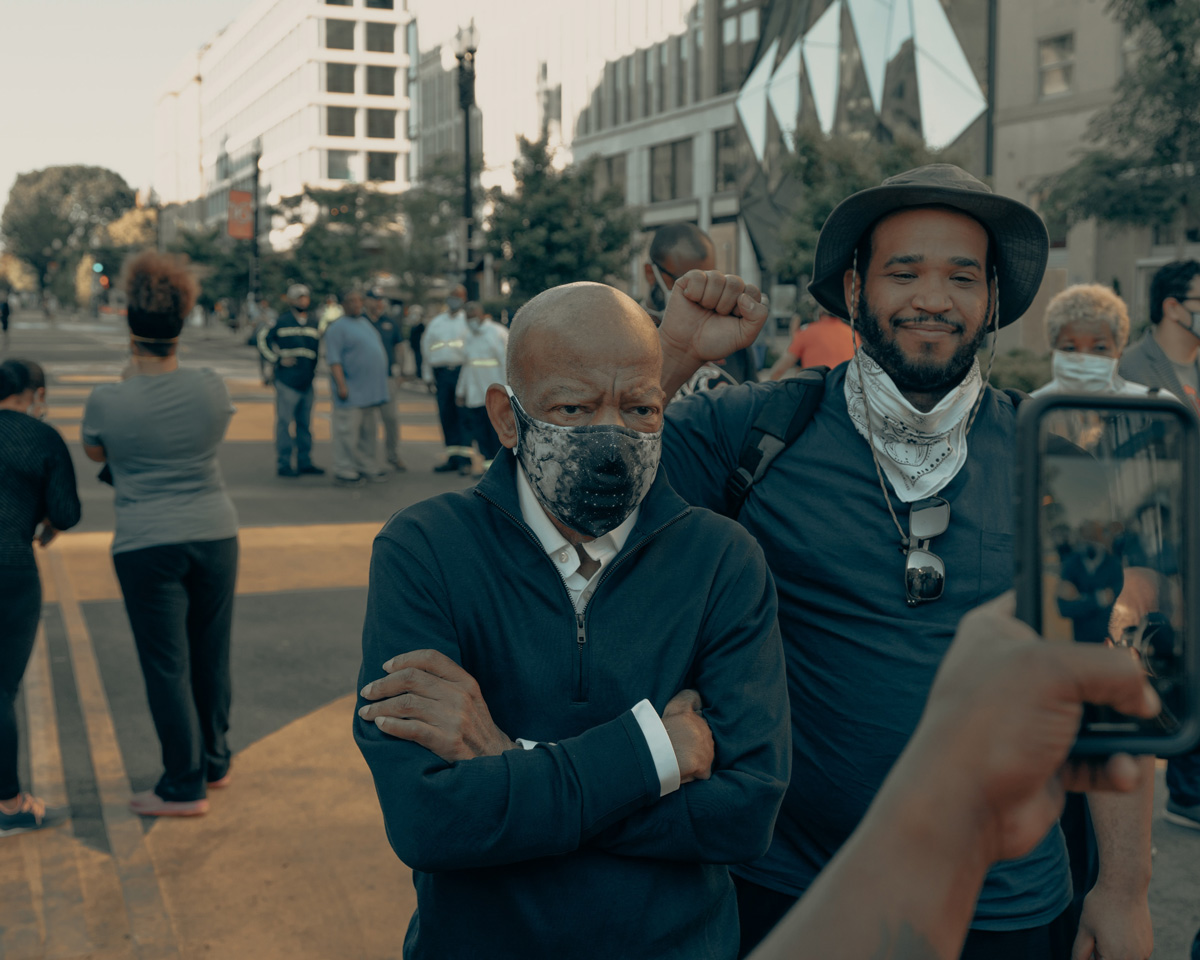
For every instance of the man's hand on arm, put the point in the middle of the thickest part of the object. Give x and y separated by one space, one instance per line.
690 736
430 700
708 317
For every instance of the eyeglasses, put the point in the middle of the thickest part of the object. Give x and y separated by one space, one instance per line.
924 571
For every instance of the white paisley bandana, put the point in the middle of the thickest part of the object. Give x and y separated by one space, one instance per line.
919 452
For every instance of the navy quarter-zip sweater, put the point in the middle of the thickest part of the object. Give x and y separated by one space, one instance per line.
567 850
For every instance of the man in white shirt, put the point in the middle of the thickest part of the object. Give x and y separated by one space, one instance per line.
442 349
484 351
573 606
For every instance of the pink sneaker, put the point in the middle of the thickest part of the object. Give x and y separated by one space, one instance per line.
150 804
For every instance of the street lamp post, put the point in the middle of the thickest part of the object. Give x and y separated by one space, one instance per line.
468 42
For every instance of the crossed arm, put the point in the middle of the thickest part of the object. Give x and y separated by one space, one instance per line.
456 793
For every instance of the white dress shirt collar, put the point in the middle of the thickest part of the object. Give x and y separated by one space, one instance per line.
566 558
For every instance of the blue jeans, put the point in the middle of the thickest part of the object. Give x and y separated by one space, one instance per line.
292 405
1183 779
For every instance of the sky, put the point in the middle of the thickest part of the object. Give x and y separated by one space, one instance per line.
79 79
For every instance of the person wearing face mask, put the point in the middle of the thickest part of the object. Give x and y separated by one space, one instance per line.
37 499
898 494
442 355
483 365
675 249
1168 356
535 699
175 548
1088 327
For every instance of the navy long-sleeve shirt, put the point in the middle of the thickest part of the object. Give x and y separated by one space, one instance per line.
37 481
567 849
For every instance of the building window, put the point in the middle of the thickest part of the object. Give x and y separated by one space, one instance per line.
339 34
381 81
671 171
648 82
660 80
339 3
337 164
725 150
381 37
1056 63
610 174
681 69
381 166
339 77
339 121
739 40
381 124
381 4
627 65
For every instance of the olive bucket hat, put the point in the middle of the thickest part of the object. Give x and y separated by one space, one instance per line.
1021 241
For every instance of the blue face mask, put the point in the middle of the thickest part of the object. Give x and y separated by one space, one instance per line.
590 478
454 304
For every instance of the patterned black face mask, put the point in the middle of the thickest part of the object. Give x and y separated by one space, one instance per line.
590 478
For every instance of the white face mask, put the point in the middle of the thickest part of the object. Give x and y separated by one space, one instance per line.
1084 372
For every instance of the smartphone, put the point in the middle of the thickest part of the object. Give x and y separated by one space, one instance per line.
1108 536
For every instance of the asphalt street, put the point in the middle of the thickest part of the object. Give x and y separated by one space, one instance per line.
292 860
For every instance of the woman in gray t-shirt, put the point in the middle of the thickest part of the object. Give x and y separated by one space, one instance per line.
175 549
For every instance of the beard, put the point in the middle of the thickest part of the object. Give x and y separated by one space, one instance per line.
922 374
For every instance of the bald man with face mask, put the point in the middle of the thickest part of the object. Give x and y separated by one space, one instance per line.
564 752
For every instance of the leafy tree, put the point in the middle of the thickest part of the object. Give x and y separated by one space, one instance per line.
558 227
222 264
349 234
1142 167
826 171
52 215
16 274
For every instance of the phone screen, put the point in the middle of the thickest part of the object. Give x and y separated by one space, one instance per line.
1113 549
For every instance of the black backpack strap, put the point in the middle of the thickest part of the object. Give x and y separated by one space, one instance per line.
780 421
1016 396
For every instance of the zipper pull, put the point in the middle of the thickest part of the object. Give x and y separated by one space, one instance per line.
581 635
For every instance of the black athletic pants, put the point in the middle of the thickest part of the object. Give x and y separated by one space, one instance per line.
20 609
179 598
454 430
759 909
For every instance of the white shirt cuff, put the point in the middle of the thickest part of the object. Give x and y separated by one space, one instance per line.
526 744
659 742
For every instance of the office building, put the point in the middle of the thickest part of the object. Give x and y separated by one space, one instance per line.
317 89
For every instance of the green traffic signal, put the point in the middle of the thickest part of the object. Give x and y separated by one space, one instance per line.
97 268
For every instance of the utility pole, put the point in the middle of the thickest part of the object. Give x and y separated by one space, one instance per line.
468 42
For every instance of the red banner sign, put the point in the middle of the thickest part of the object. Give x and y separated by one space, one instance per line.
241 214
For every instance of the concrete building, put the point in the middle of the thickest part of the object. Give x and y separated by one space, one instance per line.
1061 61
318 88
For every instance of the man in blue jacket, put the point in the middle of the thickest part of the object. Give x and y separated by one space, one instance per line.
572 600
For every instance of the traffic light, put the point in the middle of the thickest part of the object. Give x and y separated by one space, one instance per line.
97 268
104 281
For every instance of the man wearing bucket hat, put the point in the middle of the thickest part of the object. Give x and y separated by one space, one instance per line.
290 344
884 523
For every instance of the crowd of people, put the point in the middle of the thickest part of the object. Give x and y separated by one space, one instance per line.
645 691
